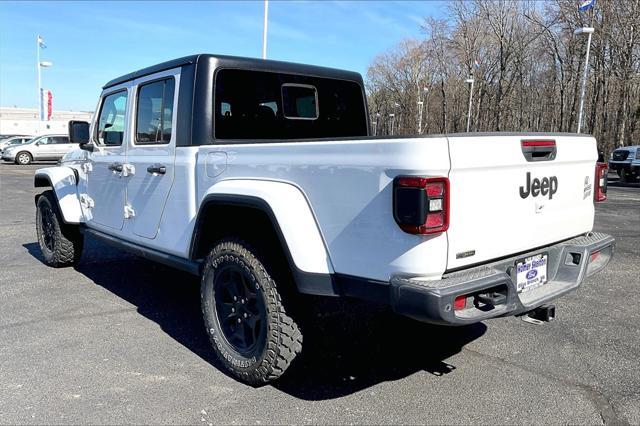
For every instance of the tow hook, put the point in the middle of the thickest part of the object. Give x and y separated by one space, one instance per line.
544 313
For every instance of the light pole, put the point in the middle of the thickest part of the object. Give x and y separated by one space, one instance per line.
469 81
375 124
421 103
589 31
393 116
40 64
264 30
426 118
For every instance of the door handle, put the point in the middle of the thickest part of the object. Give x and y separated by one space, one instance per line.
115 167
157 169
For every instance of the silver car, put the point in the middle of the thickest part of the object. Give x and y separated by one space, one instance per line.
13 140
47 147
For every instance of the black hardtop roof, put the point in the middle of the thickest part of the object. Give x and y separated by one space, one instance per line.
240 62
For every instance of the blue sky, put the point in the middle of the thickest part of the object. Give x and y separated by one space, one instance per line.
93 42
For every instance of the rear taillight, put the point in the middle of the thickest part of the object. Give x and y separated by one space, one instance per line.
600 191
421 205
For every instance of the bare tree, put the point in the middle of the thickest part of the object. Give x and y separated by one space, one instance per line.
526 64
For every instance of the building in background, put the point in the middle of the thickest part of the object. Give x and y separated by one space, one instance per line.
25 121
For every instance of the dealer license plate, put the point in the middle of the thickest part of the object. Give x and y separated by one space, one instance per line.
531 272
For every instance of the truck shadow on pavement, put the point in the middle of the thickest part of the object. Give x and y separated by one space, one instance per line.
348 345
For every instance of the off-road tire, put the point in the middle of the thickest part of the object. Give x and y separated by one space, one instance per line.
281 342
23 158
61 244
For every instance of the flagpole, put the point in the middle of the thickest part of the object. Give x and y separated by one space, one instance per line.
39 103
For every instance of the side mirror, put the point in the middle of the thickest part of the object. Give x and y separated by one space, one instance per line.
78 132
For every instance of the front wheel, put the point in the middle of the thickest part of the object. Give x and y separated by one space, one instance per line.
23 158
251 334
622 174
61 244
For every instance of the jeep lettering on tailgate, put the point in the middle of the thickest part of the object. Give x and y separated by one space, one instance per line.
548 185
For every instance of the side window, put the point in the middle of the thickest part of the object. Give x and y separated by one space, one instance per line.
111 120
45 141
61 139
299 101
155 112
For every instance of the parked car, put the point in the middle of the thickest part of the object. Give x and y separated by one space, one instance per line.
47 147
626 162
262 178
13 141
7 136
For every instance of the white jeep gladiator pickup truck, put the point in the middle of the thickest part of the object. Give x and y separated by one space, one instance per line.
262 178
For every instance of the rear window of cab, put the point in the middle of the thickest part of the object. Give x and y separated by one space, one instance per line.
260 105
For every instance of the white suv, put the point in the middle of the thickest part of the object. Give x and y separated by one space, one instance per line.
47 147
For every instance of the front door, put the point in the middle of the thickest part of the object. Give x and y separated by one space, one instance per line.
45 148
106 177
151 152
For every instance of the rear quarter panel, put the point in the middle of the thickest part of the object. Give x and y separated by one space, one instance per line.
348 185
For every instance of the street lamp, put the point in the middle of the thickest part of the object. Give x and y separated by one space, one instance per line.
41 64
589 31
426 101
469 81
392 115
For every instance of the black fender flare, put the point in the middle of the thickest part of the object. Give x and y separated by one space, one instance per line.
306 282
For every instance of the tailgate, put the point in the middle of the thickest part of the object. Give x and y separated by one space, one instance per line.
508 198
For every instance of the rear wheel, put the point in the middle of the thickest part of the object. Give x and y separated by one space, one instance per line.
23 158
250 331
61 244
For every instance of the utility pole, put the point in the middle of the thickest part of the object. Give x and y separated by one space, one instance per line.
589 31
264 31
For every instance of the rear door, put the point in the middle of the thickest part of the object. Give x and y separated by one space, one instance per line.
62 145
151 152
513 193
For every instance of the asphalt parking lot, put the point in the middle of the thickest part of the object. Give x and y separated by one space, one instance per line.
120 340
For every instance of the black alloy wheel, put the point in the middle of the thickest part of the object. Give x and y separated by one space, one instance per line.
240 311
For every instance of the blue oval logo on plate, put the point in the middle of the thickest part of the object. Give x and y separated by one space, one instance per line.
532 274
